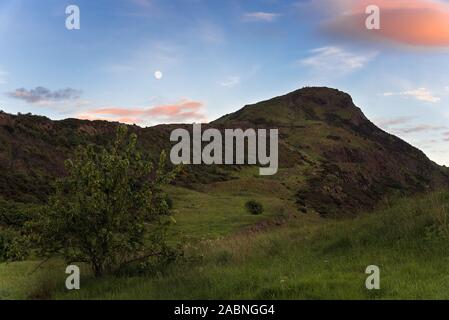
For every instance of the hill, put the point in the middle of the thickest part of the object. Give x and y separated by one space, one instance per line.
336 159
333 160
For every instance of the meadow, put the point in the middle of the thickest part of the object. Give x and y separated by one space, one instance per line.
231 254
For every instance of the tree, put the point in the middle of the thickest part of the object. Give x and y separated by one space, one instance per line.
109 210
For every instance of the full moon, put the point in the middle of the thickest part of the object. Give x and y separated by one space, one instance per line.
158 75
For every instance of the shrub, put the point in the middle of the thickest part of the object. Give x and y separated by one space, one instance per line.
254 207
13 246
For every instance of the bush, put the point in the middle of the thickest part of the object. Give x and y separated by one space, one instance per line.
13 246
254 207
13 214
155 265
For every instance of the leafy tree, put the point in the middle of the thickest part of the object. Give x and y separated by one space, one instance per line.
109 210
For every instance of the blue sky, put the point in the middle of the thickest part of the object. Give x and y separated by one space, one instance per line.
216 56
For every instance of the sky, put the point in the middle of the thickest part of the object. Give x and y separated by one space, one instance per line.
182 61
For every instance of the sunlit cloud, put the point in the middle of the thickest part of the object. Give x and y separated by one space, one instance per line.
421 94
183 111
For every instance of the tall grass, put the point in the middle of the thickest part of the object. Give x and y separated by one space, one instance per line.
310 258
307 258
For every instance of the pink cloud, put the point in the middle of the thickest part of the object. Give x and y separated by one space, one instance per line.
183 111
422 23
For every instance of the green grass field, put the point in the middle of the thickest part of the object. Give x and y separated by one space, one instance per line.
307 257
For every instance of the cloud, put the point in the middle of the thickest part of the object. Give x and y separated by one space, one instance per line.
334 59
388 122
421 94
231 82
402 125
422 23
419 128
183 111
260 17
41 95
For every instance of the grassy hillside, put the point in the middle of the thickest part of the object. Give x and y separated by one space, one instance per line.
332 159
337 161
307 258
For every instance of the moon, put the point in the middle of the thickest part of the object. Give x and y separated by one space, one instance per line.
158 75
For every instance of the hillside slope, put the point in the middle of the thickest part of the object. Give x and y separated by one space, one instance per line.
333 160
333 156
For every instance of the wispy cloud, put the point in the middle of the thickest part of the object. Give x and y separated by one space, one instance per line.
405 125
182 111
421 94
333 59
420 128
260 16
231 82
41 95
388 122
